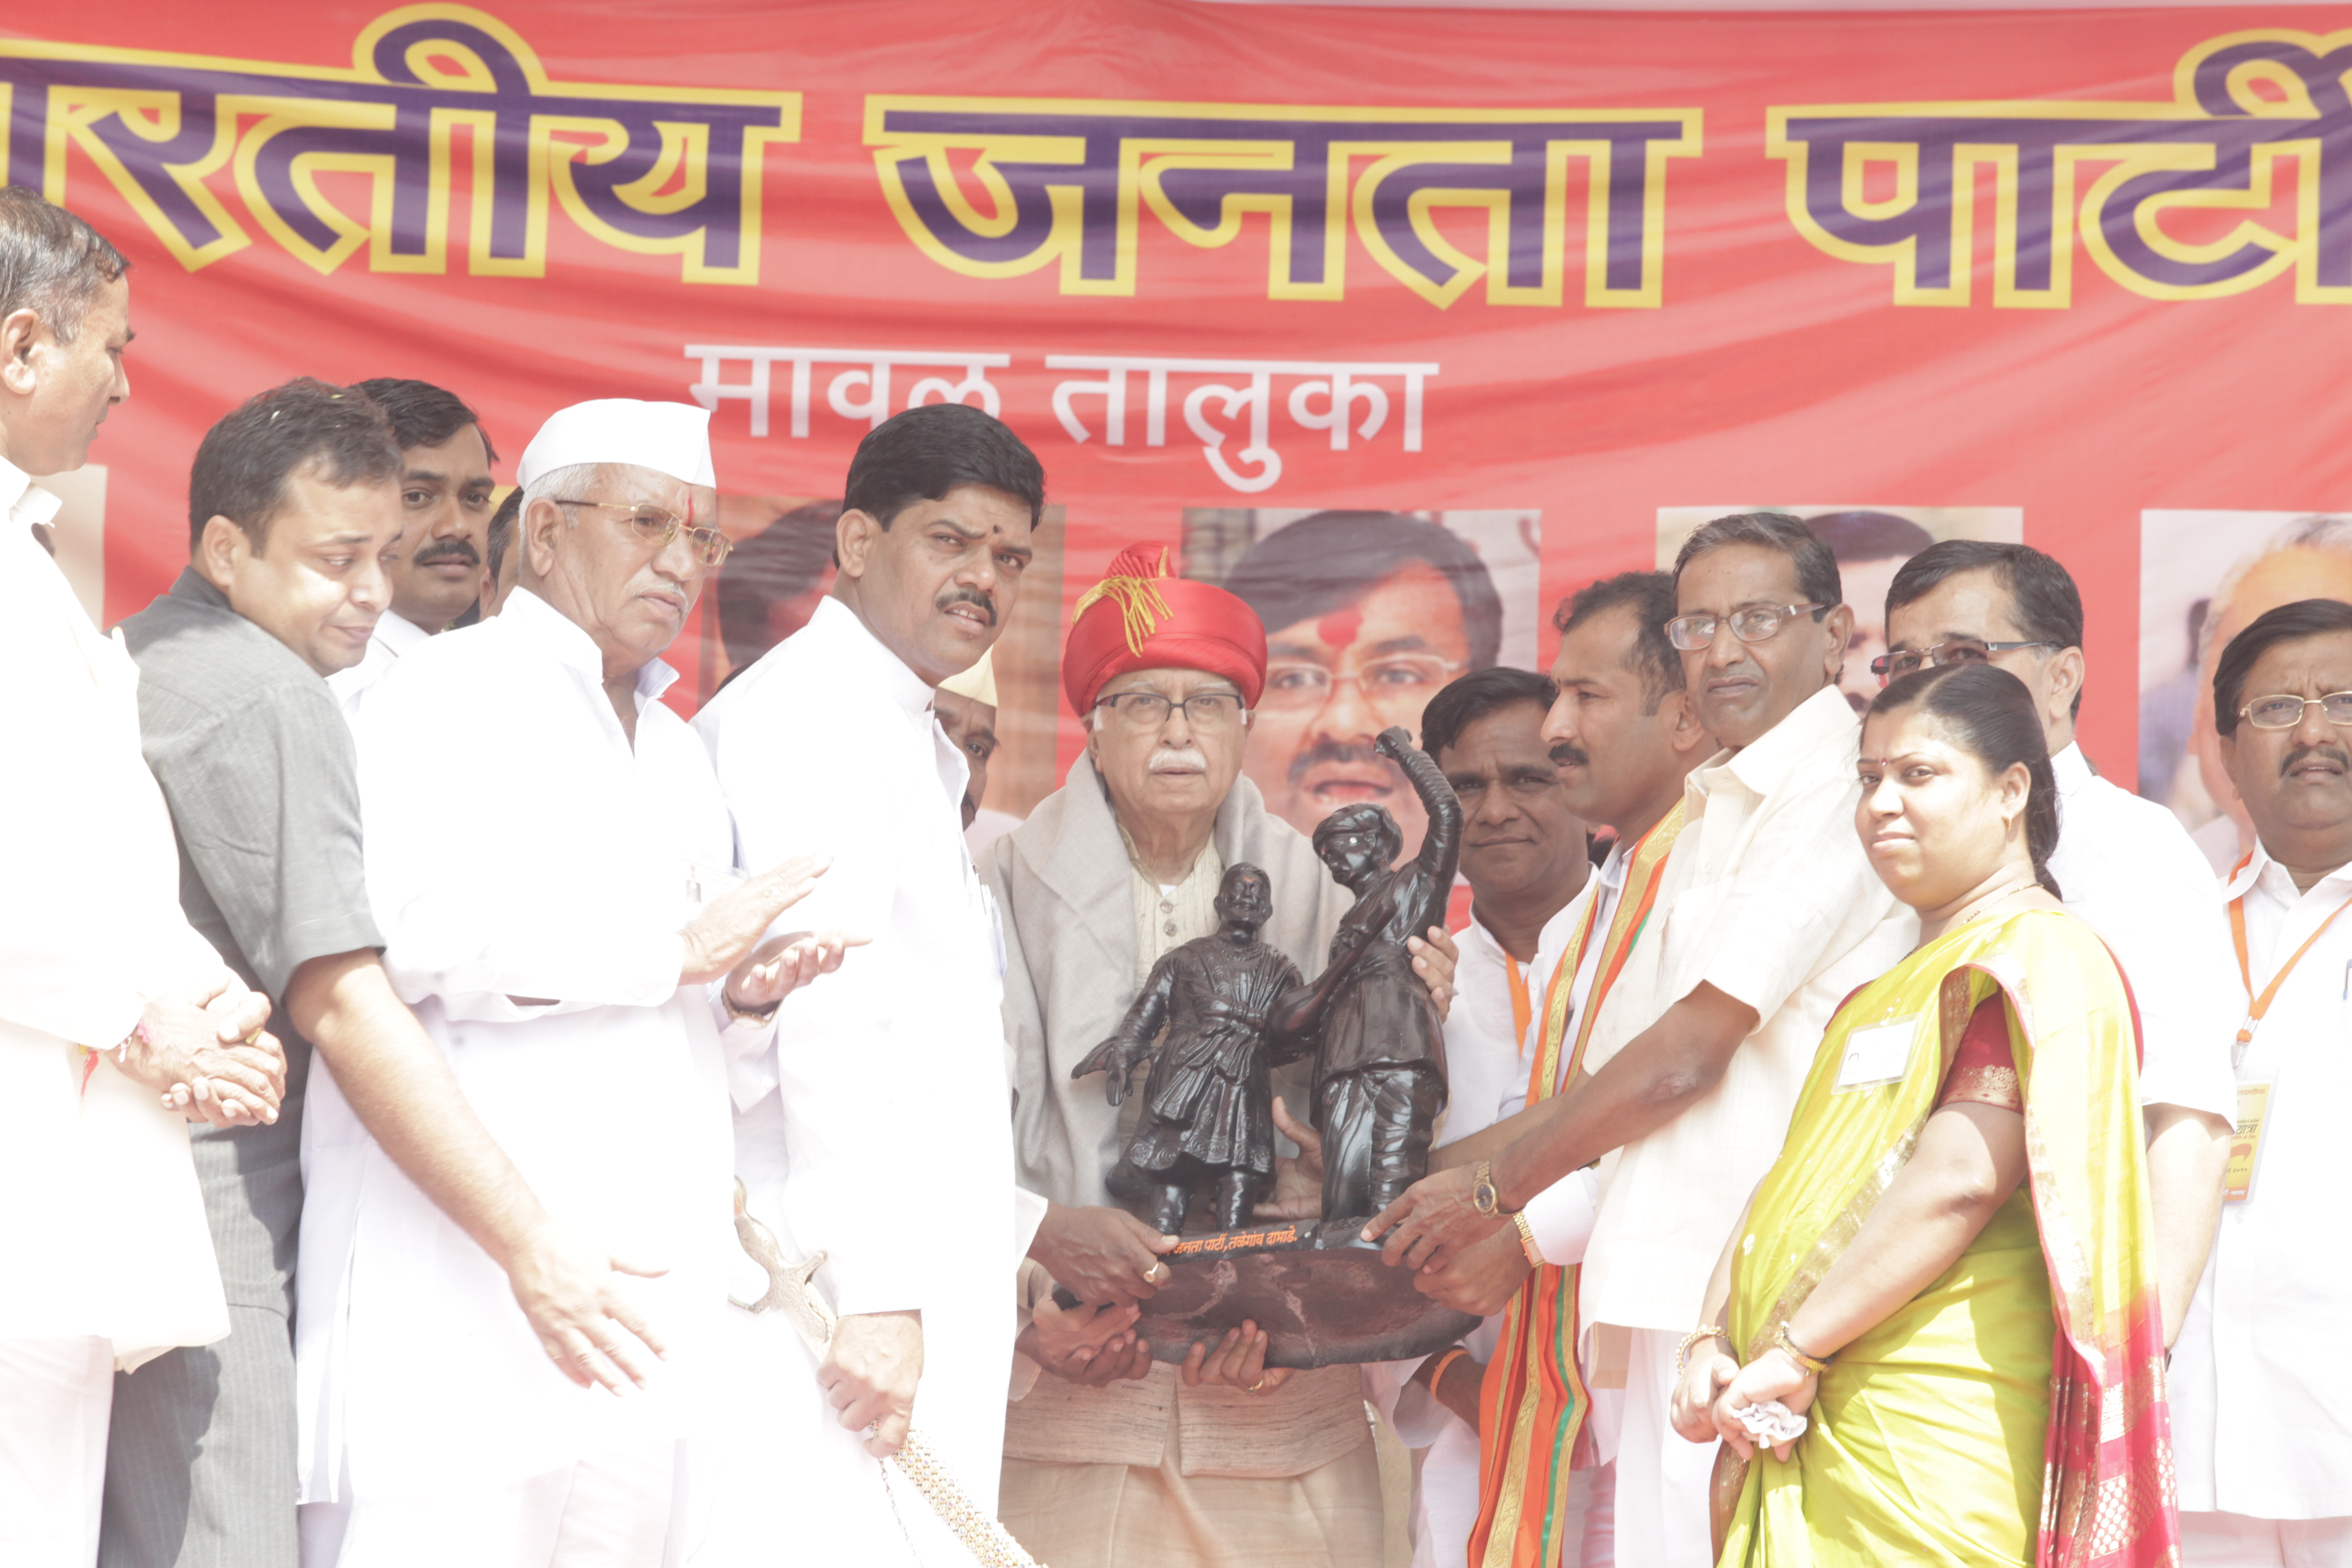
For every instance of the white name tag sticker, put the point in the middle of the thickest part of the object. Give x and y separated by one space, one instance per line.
1877 1054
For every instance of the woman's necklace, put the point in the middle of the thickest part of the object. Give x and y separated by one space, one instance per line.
1990 903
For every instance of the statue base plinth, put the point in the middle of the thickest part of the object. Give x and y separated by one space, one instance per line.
1319 1291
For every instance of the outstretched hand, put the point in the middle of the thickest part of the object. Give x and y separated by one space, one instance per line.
731 924
782 965
1298 1181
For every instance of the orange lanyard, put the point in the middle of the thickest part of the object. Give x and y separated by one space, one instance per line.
2258 1005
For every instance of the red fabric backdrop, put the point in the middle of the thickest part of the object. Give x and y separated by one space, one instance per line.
2178 344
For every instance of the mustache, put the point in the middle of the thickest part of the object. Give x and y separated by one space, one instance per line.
967 596
1177 757
1336 751
2333 753
447 550
1570 753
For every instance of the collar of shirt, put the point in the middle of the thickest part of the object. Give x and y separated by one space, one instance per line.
537 621
2072 769
26 501
1549 941
837 624
1815 728
398 633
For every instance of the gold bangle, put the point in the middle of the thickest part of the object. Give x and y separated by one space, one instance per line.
1813 1364
1527 1239
1682 1350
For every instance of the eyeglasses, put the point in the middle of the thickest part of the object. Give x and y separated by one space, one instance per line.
1143 710
1756 623
1403 682
2285 713
658 525
1959 651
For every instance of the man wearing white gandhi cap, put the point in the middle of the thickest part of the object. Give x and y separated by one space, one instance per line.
584 969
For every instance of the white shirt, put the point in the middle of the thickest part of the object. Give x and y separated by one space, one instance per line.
2262 1405
2127 866
876 1129
394 636
539 946
1768 898
102 1226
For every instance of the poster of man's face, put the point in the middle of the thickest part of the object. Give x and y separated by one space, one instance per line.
771 583
1368 614
2203 577
1870 543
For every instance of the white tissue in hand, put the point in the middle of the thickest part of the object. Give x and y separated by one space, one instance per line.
1773 1422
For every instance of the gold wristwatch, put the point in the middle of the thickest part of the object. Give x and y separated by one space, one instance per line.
1482 1197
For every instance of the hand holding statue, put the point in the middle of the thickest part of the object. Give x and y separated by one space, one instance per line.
1432 1221
1479 1278
1090 1346
870 1374
1297 1179
1100 1255
1237 1360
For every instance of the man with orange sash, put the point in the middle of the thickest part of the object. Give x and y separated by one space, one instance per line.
2262 1405
1767 915
1623 734
1523 854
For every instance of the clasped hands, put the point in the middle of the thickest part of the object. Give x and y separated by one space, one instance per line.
1715 1388
205 1055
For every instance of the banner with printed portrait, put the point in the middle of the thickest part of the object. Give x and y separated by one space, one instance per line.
1402 324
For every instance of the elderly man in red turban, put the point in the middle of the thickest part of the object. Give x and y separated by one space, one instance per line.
1116 1458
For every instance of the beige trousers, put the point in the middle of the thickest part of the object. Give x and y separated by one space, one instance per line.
1120 1516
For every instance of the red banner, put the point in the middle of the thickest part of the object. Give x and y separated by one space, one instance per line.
1555 285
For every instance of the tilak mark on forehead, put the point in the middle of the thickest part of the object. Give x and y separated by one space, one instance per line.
1339 629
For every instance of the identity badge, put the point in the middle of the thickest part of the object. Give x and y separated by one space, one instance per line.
1877 1054
2246 1143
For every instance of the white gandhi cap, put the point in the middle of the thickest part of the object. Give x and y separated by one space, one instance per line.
978 683
671 438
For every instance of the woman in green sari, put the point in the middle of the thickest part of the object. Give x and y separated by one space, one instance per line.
1944 1275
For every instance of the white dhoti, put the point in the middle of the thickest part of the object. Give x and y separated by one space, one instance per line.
1662 1520
55 1396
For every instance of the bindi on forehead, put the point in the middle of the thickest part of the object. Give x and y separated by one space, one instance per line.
1340 628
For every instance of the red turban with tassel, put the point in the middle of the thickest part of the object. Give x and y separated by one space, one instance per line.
1139 617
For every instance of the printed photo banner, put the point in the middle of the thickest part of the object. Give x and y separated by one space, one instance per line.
1484 305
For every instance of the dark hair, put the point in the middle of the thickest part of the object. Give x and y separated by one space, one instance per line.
1650 596
1989 711
423 414
1331 560
923 453
1869 535
1356 818
1817 572
502 529
1464 702
2042 599
786 558
52 263
243 463
2288 623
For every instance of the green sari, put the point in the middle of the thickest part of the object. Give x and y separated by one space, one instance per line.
2012 1411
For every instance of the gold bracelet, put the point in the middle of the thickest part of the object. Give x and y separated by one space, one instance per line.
1813 1364
1527 1239
1682 1350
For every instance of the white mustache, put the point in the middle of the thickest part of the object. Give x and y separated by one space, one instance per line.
1166 757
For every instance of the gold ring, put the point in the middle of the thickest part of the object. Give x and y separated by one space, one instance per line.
1257 1387
1151 1275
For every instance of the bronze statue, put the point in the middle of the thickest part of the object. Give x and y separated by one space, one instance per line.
1208 1119
1380 1062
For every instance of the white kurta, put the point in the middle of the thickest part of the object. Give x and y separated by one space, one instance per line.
519 848
875 1129
394 636
2127 866
2262 1409
102 1232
